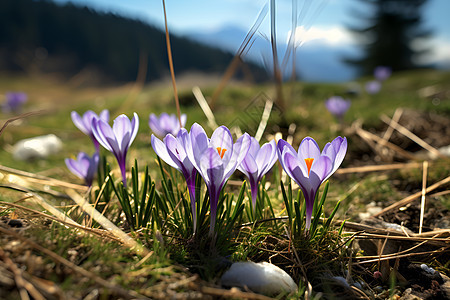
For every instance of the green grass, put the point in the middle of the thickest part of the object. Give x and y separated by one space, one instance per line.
177 255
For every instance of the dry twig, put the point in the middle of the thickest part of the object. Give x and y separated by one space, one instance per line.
55 257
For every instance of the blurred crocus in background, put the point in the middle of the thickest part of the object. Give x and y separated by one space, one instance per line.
257 162
84 123
14 102
118 138
165 124
337 106
373 87
84 166
172 150
382 73
216 159
309 167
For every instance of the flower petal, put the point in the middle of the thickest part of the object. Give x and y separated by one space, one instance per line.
104 115
211 168
161 150
294 169
154 125
308 149
222 139
134 128
79 123
102 132
249 167
240 150
197 145
340 146
266 158
121 127
183 118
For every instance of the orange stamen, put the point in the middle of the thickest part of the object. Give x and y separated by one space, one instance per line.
309 162
221 151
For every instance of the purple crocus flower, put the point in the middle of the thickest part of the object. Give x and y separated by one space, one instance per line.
257 162
166 124
84 166
382 73
337 106
118 138
309 167
14 101
172 150
84 123
373 87
215 159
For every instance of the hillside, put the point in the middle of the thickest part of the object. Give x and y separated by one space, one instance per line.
41 36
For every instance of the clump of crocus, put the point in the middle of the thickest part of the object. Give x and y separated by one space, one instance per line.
309 167
373 87
257 162
337 106
172 150
166 123
381 73
85 166
14 102
215 159
118 138
84 123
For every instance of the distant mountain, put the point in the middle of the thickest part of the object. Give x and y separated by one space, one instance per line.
314 61
39 35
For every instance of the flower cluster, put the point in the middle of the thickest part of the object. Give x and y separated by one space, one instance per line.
337 106
215 159
381 73
116 140
14 102
309 167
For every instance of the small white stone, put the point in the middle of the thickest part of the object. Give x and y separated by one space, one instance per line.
427 269
37 147
263 278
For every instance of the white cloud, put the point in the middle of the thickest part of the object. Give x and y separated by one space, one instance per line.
333 36
440 51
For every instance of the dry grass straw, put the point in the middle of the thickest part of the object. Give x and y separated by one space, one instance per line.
107 224
25 288
115 232
205 107
264 118
403 130
172 72
376 142
127 294
276 68
21 116
413 196
422 200
376 168
83 229
42 180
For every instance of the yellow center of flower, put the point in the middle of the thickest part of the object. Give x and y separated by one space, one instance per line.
221 151
309 162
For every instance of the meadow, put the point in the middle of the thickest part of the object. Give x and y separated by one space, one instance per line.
395 171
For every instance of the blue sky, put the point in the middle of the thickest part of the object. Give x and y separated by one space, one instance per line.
325 18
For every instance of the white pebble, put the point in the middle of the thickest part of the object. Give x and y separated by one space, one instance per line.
263 278
427 269
37 147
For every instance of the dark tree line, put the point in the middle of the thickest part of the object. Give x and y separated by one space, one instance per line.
70 38
389 33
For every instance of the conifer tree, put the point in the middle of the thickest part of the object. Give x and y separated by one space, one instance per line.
392 36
